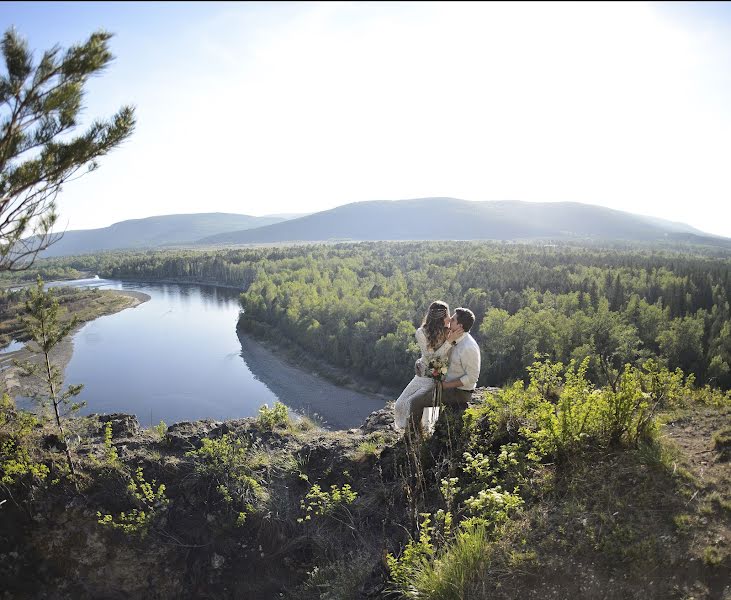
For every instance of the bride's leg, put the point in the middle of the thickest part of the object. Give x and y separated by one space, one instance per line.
423 399
402 408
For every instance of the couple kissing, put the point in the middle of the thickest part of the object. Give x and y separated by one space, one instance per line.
448 353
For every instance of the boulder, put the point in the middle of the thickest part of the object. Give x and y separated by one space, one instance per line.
122 425
187 436
379 420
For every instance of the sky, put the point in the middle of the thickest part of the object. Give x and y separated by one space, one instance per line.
272 107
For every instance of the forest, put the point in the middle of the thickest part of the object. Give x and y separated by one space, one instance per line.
357 305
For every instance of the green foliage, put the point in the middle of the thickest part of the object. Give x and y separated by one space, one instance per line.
39 105
449 575
110 452
423 571
160 429
564 427
713 556
415 557
269 418
229 465
319 502
150 504
46 331
356 305
371 445
16 461
561 413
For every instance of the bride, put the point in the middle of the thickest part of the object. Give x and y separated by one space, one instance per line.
434 341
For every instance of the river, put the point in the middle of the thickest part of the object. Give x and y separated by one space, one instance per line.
177 357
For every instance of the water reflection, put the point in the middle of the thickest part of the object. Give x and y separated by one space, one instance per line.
334 406
177 357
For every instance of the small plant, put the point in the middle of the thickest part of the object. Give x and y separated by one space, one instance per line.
229 465
415 557
683 522
110 452
46 330
150 504
371 445
319 502
722 442
491 506
301 423
269 418
160 429
16 461
712 556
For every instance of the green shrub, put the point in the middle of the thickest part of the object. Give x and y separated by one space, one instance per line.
150 504
319 502
110 452
160 429
269 418
229 465
16 461
415 557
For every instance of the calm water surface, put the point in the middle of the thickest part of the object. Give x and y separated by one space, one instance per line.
175 357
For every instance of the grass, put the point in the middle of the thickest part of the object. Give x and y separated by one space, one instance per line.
722 442
448 577
712 556
370 446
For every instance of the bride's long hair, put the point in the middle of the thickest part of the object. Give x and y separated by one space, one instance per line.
433 324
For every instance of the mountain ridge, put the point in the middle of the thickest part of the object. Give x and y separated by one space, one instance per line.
452 218
436 218
150 232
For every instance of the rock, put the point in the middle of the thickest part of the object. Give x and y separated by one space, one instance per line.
187 436
229 427
53 442
379 420
122 425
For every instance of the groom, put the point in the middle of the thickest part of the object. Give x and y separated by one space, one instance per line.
464 366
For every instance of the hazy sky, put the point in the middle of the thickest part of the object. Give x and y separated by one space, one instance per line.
260 108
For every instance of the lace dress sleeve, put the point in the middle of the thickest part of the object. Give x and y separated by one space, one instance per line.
421 340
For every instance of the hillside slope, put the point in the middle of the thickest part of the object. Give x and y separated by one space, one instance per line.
453 219
153 232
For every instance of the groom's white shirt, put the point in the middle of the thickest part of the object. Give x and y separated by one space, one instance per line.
464 362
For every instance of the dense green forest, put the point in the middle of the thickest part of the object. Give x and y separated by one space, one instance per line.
357 305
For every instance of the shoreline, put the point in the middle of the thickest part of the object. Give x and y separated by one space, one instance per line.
178 282
335 407
13 384
330 373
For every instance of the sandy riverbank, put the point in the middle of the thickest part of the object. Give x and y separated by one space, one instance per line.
308 393
10 380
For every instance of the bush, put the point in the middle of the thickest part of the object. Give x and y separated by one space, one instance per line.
150 504
319 502
229 465
269 418
16 461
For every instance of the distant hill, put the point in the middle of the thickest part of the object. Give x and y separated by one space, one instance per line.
153 232
452 219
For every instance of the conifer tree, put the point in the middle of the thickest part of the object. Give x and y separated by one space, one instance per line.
40 103
46 330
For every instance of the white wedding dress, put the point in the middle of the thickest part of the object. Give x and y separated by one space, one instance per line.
420 386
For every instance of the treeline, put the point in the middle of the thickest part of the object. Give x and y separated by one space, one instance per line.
357 305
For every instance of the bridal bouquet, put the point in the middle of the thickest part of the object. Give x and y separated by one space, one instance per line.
437 369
